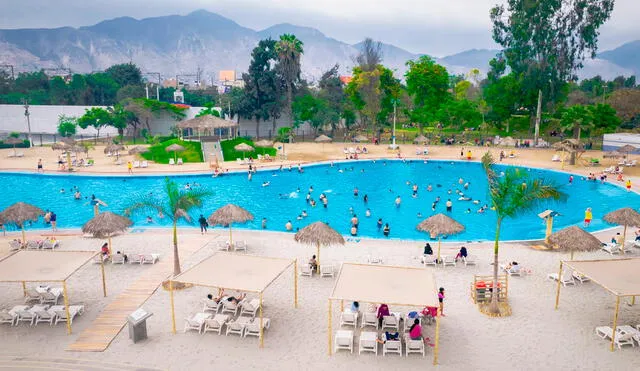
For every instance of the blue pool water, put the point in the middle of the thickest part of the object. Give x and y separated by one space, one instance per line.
382 181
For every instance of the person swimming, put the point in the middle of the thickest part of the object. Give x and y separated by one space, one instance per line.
266 184
304 214
429 188
398 201
367 213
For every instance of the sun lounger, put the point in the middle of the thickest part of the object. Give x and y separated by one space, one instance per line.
212 306
215 324
223 245
514 270
44 316
136 164
237 326
135 259
368 342
31 244
14 245
267 157
31 295
180 162
470 260
253 328
240 245
343 340
390 322
448 260
305 270
117 259
611 248
369 319
51 296
25 316
144 164
249 307
6 317
229 307
74 310
566 279
374 259
149 258
429 260
349 318
580 277
620 340
49 244
172 161
413 346
392 346
196 322
327 270
555 158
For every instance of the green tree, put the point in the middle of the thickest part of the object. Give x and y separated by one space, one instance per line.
231 102
95 117
175 204
289 51
308 108
102 88
58 91
604 117
427 83
513 194
120 118
208 110
67 126
130 91
332 93
576 119
125 74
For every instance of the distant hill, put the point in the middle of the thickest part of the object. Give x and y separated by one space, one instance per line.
179 44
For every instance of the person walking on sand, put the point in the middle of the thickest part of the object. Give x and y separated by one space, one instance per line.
129 167
203 224
441 300
40 169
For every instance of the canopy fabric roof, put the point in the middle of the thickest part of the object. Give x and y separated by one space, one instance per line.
386 284
42 266
235 272
619 276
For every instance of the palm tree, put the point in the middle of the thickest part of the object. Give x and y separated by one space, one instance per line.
289 50
175 206
513 194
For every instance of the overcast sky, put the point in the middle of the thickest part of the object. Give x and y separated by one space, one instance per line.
437 27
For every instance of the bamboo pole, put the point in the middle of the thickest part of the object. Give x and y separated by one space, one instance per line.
329 326
633 300
559 283
261 328
624 238
230 236
341 305
437 342
295 283
109 246
65 298
104 283
24 288
615 324
173 310
318 256
438 258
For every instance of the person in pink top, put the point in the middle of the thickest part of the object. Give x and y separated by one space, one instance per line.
383 310
415 332
441 300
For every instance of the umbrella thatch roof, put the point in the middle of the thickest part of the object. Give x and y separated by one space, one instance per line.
174 148
360 138
625 216
627 148
613 154
20 212
106 224
561 146
263 143
206 122
574 239
440 225
319 233
12 140
243 147
322 139
69 141
421 139
61 146
230 214
138 149
113 148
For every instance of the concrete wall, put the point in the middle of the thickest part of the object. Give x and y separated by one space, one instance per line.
612 142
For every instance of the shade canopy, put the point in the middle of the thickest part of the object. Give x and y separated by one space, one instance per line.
106 224
21 212
243 147
42 266
138 149
174 148
113 148
385 284
627 148
575 239
263 143
206 122
613 154
625 216
322 139
421 139
61 146
319 233
440 225
618 276
360 138
230 214
236 272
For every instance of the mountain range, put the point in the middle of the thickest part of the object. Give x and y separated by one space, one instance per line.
201 40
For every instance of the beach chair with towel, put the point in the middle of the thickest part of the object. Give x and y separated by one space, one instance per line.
215 324
611 248
7 317
172 161
343 341
368 342
469 260
149 258
47 316
144 164
305 270
448 260
51 296
391 346
229 307
237 326
240 245
15 245
580 277
135 259
31 295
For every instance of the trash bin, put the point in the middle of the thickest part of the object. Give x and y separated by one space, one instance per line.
138 324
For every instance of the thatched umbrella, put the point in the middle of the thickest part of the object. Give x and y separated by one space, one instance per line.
574 239
323 139
14 141
19 213
625 216
440 225
138 149
263 143
175 148
65 146
229 214
243 147
360 138
111 148
421 139
68 140
317 234
612 154
106 225
627 148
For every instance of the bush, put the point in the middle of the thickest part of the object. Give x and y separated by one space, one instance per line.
157 153
24 144
231 154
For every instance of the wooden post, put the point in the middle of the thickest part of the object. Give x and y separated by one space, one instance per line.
173 310
230 236
633 300
559 284
624 236
104 283
318 256
341 305
66 305
109 246
438 258
24 237
329 329
437 342
261 328
615 324
549 229
295 283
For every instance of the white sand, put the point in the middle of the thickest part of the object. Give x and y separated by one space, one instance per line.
535 337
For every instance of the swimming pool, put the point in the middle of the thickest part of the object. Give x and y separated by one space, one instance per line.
285 197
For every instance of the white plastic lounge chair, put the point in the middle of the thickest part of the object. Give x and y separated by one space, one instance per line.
51 297
343 341
392 346
172 161
240 245
429 260
611 248
369 319
374 259
249 307
391 322
44 316
74 310
144 164
239 161
305 270
180 162
25 316
349 319
215 324
368 342
237 327
14 245
620 340
580 277
448 260
6 317
555 158
196 322
413 346
229 307
135 259
327 270
223 245
212 306
566 279
136 164
149 258
48 244
260 158
31 295
470 260
33 244
117 259
514 270
253 328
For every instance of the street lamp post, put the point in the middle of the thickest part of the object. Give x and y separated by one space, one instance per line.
27 114
393 135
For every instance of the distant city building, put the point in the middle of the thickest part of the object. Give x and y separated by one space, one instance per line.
170 83
227 75
346 79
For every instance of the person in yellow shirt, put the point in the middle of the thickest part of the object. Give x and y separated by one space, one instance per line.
628 185
588 215
130 167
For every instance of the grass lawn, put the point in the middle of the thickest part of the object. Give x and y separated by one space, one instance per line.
231 154
157 153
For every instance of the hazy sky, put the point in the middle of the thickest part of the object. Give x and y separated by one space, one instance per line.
437 27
